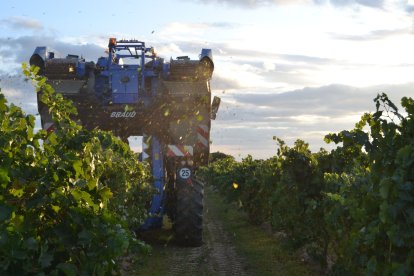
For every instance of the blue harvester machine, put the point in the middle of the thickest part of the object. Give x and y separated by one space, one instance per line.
132 92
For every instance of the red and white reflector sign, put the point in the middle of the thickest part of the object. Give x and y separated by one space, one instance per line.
202 136
146 147
177 150
49 127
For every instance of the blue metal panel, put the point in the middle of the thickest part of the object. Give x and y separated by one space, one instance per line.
157 166
102 88
80 69
156 210
206 53
124 84
127 81
102 61
165 69
41 52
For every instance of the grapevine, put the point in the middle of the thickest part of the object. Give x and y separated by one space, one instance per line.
350 208
68 198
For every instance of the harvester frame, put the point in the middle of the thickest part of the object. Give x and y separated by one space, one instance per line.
133 92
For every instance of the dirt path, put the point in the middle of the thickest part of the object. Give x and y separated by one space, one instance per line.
224 226
217 256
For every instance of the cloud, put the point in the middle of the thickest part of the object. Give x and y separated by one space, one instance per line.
249 116
222 24
265 3
226 50
20 49
246 122
331 100
14 51
374 35
267 68
281 69
19 92
22 23
250 3
197 26
194 29
252 56
368 3
221 83
409 7
240 55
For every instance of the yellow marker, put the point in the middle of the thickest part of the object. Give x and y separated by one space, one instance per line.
235 185
166 223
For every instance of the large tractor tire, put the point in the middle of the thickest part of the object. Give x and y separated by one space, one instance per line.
189 212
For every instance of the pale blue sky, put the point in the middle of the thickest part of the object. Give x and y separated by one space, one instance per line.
290 68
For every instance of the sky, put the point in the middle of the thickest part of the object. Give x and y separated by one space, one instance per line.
295 69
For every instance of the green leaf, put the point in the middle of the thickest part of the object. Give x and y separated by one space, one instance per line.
68 269
45 259
385 186
55 192
92 184
384 212
4 178
105 193
5 212
17 192
85 237
26 71
34 70
31 243
372 265
82 196
19 254
55 176
52 139
77 166
55 208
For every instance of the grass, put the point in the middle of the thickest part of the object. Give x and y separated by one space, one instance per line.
264 253
156 262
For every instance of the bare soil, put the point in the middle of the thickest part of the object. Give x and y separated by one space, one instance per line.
231 246
217 256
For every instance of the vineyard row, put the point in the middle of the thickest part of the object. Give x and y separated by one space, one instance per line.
352 209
